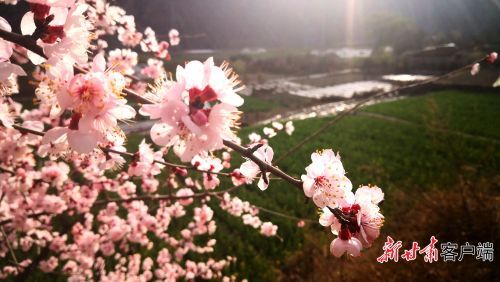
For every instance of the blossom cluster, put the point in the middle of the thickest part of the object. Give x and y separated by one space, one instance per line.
354 217
197 111
249 214
74 202
101 233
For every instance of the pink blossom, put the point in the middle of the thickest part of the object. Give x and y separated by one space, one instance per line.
226 157
369 217
492 57
250 170
325 181
53 86
154 69
173 35
122 60
55 173
251 220
130 38
67 36
82 141
70 267
187 120
8 77
97 109
185 192
277 125
149 42
49 265
114 161
269 132
289 128
350 246
268 229
254 137
475 69
6 47
8 111
208 82
144 162
329 220
238 178
76 41
162 51
361 221
211 164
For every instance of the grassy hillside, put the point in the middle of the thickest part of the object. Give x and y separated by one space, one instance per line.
411 148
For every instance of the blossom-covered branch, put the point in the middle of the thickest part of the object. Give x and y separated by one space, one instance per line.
245 152
74 202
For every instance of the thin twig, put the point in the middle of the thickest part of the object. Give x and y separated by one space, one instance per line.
282 214
138 198
3 169
10 248
33 215
266 210
164 197
263 165
127 154
168 164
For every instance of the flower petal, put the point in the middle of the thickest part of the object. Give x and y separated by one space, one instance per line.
82 142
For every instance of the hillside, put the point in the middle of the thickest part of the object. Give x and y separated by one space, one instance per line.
226 24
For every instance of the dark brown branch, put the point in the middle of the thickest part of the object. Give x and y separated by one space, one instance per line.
263 165
24 41
108 150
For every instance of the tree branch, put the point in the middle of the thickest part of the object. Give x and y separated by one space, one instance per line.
127 154
263 165
164 197
24 41
137 198
11 250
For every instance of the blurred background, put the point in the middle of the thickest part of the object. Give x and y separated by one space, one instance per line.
433 149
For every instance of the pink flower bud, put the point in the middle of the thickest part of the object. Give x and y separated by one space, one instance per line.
301 223
492 57
475 69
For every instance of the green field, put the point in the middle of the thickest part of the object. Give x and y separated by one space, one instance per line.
422 151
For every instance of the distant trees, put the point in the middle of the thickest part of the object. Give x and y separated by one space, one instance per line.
398 32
